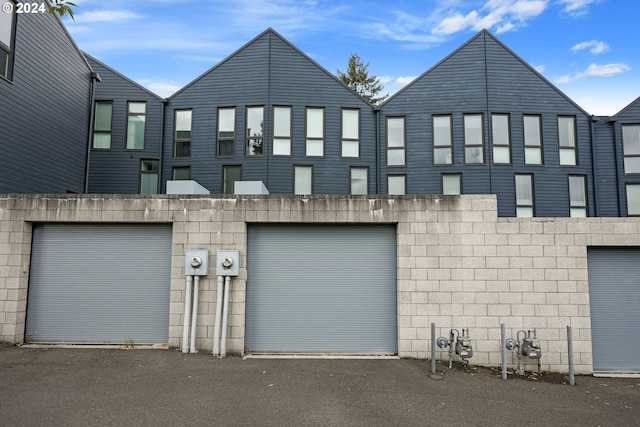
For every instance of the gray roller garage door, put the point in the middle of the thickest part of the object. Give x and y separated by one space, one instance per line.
614 291
321 289
104 284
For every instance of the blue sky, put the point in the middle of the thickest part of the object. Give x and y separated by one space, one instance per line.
587 48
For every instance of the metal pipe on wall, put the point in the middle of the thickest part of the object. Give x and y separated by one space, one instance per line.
194 317
187 310
223 343
216 326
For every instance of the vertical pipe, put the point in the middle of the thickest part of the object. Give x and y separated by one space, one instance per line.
433 348
225 316
503 349
187 311
570 351
216 326
194 317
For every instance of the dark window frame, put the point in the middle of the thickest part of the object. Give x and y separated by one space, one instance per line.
348 139
258 140
288 137
308 138
7 73
295 166
506 145
397 175
625 155
532 205
573 148
448 146
351 169
225 169
573 206
101 131
226 139
457 174
154 171
403 147
184 143
540 143
144 131
474 146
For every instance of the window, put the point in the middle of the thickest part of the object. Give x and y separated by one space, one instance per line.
182 134
577 196
396 184
501 139
315 132
359 180
231 174
532 140
631 148
255 131
473 139
226 132
633 199
524 196
6 40
303 179
281 131
452 183
181 173
395 141
149 176
136 112
102 125
442 153
567 140
350 133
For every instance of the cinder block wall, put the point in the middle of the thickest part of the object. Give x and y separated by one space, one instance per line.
459 266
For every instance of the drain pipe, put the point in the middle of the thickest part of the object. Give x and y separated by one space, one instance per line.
187 310
223 344
216 327
194 317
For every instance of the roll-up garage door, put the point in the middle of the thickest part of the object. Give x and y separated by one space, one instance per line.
614 292
321 289
99 284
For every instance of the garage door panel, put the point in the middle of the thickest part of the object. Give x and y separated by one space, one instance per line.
96 283
614 293
321 289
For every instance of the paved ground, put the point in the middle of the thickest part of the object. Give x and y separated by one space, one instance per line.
104 387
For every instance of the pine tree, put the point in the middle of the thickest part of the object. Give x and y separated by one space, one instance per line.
357 78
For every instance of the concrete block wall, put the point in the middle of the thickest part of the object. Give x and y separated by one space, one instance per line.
459 265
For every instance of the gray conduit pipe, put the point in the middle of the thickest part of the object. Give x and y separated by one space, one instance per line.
223 345
216 327
194 318
187 310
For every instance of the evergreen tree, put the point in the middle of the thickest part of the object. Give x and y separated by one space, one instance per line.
357 78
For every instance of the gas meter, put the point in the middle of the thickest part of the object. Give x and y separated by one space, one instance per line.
462 346
530 347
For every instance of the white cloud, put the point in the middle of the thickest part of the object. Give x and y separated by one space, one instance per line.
595 47
161 88
596 70
405 80
105 16
576 7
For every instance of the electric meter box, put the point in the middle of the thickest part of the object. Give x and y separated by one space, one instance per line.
228 263
196 262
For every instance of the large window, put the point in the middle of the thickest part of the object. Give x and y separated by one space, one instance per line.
359 180
315 132
501 139
633 199
524 195
255 131
281 131
182 134
226 132
102 125
136 113
397 184
350 133
442 142
567 140
149 170
631 148
231 174
577 196
395 141
452 183
6 40
303 179
532 140
473 139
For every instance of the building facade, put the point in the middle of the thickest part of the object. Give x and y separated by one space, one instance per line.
380 219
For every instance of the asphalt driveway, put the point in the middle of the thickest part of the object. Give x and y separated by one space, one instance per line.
112 387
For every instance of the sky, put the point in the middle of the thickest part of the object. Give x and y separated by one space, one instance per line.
587 48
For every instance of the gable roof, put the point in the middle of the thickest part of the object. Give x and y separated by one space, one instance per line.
486 33
269 32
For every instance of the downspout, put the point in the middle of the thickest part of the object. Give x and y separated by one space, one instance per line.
161 179
95 78
269 108
376 110
593 166
615 153
489 148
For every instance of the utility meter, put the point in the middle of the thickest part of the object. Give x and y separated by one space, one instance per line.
228 263
531 348
196 262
